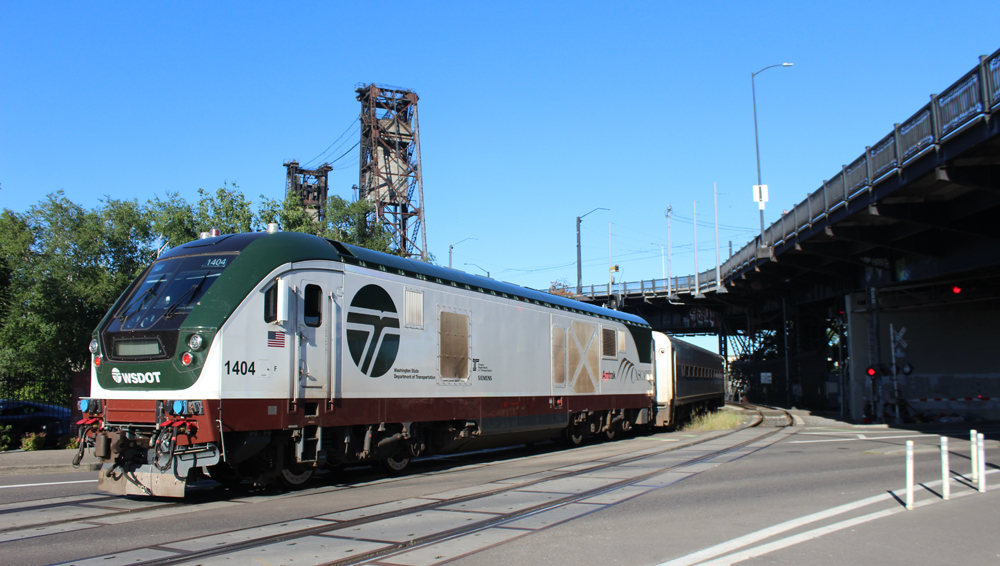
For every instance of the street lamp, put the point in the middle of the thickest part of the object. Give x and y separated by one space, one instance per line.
452 246
760 191
481 269
579 269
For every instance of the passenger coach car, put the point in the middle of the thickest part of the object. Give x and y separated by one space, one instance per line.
270 355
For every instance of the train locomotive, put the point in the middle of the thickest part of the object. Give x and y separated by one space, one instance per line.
267 356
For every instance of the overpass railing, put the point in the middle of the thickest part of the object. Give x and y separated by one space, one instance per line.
970 99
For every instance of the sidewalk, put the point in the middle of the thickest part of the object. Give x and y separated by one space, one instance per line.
19 462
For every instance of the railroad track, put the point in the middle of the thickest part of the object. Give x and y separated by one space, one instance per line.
643 469
766 416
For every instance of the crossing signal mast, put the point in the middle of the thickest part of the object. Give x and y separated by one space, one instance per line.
390 174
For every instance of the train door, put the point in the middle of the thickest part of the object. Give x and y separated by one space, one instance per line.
316 322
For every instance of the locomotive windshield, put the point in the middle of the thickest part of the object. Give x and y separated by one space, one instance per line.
171 289
145 325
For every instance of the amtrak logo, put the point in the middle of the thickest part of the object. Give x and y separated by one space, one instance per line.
373 330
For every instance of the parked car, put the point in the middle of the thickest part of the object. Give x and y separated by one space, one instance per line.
28 416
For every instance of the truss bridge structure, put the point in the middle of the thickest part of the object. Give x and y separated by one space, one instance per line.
390 172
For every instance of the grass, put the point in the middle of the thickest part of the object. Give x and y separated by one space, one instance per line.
715 420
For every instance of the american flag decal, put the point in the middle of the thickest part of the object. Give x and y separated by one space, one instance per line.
275 339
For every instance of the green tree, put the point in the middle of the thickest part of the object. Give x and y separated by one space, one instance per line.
342 221
62 267
289 214
173 220
348 222
228 210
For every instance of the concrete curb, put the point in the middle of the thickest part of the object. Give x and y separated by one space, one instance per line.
26 463
47 469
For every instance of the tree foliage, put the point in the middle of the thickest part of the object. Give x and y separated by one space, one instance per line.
63 266
560 288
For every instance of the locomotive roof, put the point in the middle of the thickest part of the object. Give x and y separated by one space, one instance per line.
271 250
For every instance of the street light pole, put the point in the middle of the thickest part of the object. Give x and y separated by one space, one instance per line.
452 246
670 289
480 268
756 143
579 269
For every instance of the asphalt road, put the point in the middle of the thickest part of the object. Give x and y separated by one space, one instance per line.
814 494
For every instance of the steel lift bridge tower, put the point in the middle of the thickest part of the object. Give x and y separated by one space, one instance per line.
310 185
390 174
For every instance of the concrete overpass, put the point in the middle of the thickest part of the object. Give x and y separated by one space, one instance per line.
907 237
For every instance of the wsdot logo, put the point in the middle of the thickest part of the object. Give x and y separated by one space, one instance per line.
373 330
148 377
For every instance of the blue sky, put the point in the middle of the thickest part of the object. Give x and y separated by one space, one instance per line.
531 113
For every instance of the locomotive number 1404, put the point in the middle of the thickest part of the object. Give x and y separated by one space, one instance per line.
239 368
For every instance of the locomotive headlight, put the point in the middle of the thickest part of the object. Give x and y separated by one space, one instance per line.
194 342
84 405
94 346
97 361
90 406
187 358
179 407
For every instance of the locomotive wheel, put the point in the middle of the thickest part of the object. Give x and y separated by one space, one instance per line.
394 465
611 432
572 438
295 478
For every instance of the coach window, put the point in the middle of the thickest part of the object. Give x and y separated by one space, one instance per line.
271 304
313 315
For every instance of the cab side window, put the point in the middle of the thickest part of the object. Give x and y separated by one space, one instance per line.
271 304
313 315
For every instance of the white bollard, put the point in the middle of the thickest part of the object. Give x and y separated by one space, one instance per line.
974 442
909 474
982 464
945 470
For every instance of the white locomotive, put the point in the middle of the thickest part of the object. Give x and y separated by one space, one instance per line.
270 355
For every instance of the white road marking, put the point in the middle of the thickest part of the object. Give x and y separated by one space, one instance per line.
859 437
744 540
720 549
50 483
816 533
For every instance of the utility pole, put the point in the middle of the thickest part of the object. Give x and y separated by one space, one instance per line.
718 266
697 284
670 289
579 268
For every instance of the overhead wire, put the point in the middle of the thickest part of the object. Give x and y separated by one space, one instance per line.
354 124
